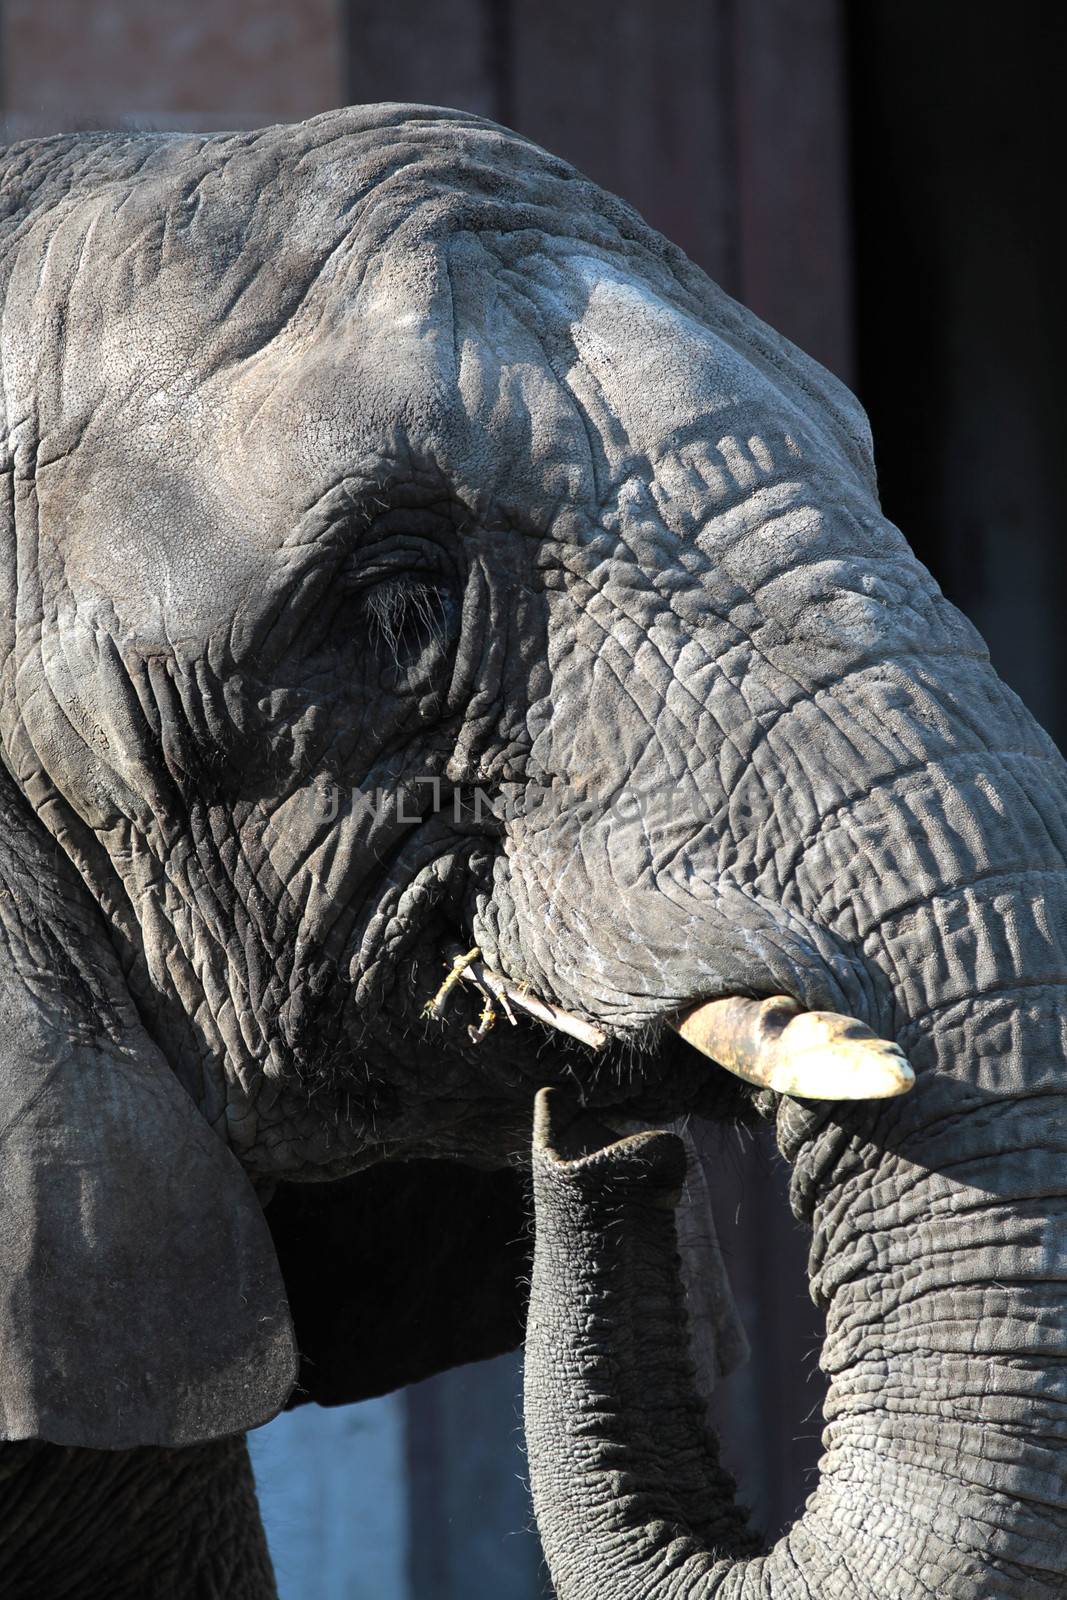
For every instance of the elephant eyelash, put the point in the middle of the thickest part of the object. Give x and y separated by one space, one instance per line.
404 617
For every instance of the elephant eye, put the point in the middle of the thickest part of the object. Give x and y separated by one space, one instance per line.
408 617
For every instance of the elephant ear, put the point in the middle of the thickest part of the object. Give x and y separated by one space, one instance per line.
140 1297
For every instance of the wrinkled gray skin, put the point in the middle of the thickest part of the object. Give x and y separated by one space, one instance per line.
386 447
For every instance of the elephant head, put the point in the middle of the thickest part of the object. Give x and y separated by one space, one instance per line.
408 551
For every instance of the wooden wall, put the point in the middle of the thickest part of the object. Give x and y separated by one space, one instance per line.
168 63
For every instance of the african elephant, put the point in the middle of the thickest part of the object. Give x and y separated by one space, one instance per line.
410 552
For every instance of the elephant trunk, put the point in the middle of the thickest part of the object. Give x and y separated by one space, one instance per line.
938 1253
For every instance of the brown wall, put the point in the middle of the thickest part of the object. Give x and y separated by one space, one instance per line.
168 63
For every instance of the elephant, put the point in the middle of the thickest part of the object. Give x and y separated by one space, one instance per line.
409 553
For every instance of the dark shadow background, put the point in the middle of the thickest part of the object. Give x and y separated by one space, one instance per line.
881 181
958 176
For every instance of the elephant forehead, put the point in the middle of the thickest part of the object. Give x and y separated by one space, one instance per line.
659 383
426 364
180 449
611 402
228 346
172 478
177 499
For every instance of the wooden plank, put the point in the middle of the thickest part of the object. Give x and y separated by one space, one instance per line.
331 1482
724 124
767 1414
176 63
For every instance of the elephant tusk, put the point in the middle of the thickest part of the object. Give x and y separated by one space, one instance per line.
814 1055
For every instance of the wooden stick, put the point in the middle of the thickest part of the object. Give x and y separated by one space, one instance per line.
521 1000
512 997
436 1007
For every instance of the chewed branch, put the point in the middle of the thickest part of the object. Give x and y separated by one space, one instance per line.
495 990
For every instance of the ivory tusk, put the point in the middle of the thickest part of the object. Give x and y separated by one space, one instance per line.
814 1055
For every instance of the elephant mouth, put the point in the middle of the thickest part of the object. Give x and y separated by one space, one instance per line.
772 1043
682 1064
